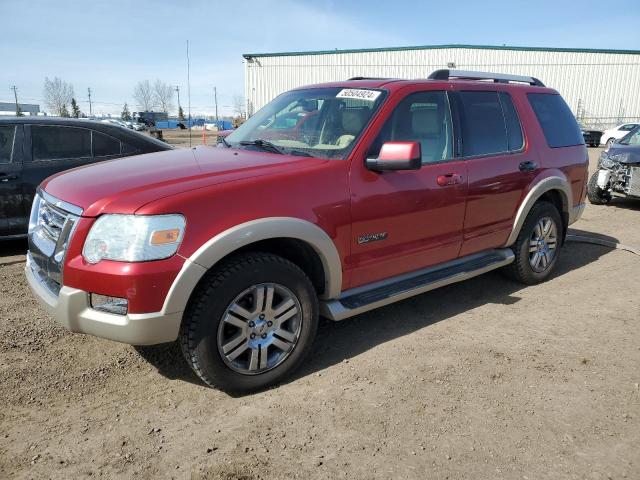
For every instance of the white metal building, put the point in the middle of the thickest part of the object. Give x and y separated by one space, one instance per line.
602 87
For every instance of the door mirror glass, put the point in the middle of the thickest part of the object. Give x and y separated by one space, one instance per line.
397 156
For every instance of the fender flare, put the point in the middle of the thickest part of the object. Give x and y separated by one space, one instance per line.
543 186
245 234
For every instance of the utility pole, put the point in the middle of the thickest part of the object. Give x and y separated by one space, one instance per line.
178 91
189 90
15 94
215 99
90 108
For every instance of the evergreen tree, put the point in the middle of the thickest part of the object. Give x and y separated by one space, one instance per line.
180 114
64 112
126 114
75 110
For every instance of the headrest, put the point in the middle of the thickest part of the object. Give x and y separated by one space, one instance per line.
425 121
352 121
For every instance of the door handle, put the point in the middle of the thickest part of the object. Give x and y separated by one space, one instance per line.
528 166
6 178
449 179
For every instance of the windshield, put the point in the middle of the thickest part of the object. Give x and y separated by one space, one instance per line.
631 138
318 122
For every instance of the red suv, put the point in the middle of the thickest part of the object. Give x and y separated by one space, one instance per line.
332 200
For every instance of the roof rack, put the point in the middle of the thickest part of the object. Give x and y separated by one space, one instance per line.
369 78
496 77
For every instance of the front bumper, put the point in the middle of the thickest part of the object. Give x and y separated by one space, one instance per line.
71 308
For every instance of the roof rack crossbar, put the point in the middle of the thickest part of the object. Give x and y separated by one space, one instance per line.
446 74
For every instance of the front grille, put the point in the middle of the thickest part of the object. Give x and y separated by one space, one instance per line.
634 181
50 229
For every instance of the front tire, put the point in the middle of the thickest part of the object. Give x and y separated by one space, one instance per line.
596 195
250 323
537 247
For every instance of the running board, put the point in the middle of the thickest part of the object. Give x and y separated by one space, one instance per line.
368 297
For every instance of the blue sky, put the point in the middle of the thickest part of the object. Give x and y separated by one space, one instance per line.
111 45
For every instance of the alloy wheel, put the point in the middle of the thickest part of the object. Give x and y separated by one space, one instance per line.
542 244
260 328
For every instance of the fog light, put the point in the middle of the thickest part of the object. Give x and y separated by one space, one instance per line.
115 305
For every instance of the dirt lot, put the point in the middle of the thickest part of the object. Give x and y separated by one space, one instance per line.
480 380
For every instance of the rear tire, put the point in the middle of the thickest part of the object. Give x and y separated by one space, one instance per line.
234 334
537 247
596 195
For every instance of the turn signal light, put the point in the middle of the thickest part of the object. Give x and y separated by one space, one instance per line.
163 237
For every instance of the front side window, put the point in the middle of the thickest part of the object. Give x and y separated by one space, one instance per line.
423 117
105 145
558 123
56 143
483 124
7 138
318 122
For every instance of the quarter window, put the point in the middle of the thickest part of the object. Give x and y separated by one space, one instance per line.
104 145
7 137
483 124
558 123
53 143
422 117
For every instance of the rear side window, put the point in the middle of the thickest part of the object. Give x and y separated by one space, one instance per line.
7 137
128 149
558 123
53 143
483 127
104 145
515 140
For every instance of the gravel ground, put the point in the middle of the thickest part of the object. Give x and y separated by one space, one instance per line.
485 379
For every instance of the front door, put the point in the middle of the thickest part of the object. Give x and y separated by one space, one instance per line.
13 218
52 149
407 220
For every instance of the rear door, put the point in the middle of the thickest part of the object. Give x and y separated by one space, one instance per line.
13 218
500 165
52 149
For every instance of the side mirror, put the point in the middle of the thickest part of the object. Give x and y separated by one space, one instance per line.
397 156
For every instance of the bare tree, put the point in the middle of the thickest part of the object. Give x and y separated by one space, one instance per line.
143 94
239 106
163 95
57 95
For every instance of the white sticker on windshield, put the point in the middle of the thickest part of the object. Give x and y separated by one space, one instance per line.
367 95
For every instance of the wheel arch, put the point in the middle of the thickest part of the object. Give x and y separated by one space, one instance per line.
295 239
553 189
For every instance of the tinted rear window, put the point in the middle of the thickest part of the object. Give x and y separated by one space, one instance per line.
104 145
514 129
51 143
558 123
483 127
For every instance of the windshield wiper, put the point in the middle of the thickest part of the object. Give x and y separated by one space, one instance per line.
263 144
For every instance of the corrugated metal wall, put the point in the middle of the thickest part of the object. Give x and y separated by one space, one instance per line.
602 89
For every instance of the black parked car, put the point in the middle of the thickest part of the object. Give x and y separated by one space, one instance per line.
33 148
591 137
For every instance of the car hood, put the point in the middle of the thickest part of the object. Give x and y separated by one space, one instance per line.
624 153
126 184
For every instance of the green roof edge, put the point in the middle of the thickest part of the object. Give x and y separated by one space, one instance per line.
438 47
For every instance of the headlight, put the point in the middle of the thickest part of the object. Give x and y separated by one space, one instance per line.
605 161
133 238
